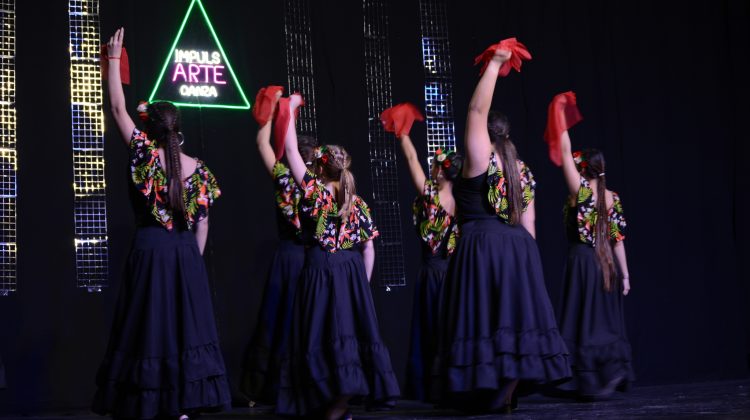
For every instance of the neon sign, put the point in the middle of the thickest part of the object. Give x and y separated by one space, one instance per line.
197 72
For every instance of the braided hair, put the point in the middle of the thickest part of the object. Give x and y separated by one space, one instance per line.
163 126
332 163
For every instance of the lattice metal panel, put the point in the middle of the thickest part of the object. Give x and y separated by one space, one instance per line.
299 61
438 86
90 211
387 212
8 249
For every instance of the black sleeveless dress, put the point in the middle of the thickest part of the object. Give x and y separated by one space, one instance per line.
497 323
592 320
260 376
163 357
438 232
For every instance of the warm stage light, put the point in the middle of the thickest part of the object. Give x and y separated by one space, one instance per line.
8 162
90 205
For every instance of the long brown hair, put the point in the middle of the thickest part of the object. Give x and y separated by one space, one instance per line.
163 126
594 169
333 164
499 130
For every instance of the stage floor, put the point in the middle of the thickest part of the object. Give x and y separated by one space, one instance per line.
716 400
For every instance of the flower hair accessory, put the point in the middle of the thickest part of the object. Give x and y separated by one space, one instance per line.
442 156
321 152
580 160
142 110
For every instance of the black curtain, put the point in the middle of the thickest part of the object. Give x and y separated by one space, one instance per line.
662 87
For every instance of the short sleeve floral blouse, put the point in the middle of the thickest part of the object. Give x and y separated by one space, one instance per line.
331 232
434 224
586 215
498 193
200 189
288 195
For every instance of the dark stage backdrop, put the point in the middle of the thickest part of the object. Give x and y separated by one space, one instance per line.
662 86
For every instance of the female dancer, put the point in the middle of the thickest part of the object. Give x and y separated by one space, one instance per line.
434 217
335 351
497 324
592 319
163 357
260 379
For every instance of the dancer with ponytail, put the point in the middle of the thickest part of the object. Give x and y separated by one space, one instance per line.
260 378
163 357
497 325
596 280
434 217
335 351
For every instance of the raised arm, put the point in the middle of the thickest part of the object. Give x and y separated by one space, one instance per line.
572 177
114 83
264 147
477 138
296 163
412 159
622 263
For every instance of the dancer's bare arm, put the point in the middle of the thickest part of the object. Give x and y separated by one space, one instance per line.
114 83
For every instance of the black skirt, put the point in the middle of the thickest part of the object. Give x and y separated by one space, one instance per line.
260 378
334 347
163 357
497 323
424 318
592 322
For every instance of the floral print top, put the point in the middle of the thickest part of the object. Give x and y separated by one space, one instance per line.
331 232
200 189
498 193
288 195
433 223
586 215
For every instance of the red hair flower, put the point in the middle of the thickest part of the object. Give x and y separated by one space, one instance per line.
447 163
142 110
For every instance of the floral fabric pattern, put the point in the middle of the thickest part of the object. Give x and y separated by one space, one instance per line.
433 223
498 194
288 195
200 189
331 232
586 215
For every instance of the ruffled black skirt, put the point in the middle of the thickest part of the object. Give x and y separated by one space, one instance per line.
592 322
334 346
163 356
424 318
260 377
497 323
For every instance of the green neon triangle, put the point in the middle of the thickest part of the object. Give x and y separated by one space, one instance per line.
173 95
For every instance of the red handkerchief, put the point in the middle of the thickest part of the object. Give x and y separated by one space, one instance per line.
262 109
518 53
124 65
280 125
562 114
399 119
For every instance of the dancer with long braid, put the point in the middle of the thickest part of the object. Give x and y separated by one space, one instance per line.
163 357
592 320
